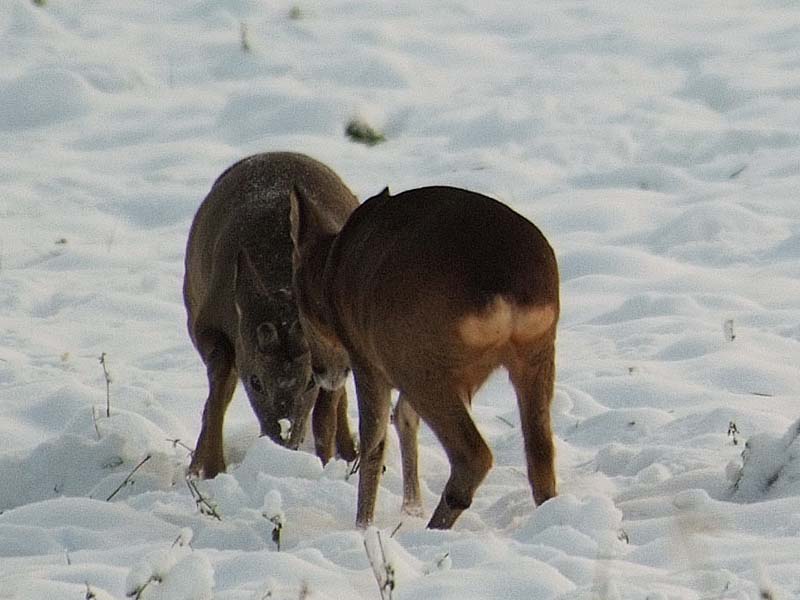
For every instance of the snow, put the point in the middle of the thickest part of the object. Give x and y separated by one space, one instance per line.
656 144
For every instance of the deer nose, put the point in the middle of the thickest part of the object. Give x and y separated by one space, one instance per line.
286 382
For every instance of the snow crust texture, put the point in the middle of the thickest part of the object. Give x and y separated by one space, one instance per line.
656 144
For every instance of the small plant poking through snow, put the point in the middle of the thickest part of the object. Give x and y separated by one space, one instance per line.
129 479
363 133
770 466
733 431
737 172
177 443
441 563
107 377
244 38
96 594
275 591
295 13
354 468
730 334
273 512
176 573
382 567
94 422
203 504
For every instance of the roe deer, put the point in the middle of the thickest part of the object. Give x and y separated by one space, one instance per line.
242 315
428 292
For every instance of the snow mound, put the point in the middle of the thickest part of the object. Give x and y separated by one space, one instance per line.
176 573
715 232
770 467
663 169
42 97
592 524
106 450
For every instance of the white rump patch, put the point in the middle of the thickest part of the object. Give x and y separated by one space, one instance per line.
503 322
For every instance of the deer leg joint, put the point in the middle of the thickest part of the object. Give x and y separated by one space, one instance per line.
457 502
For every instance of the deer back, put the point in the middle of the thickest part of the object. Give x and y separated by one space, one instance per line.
432 279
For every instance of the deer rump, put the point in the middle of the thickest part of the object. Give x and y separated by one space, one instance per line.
242 315
429 291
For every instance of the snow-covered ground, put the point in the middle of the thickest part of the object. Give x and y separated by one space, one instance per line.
657 145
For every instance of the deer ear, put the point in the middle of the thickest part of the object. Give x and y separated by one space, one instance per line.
246 283
304 223
385 193
298 218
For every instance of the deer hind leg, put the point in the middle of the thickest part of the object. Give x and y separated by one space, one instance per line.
406 422
218 354
532 378
331 427
373 419
445 412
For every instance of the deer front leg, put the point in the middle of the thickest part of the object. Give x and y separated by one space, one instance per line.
533 383
330 426
323 425
373 418
406 422
208 459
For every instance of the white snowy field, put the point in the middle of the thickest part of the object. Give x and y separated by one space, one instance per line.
655 143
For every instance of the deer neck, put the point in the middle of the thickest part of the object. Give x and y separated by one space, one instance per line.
314 284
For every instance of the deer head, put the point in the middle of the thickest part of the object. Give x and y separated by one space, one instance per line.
313 232
272 354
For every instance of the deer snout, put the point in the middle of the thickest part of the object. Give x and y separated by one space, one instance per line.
328 379
286 382
291 374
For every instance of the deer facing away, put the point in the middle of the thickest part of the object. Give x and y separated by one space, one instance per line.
242 314
428 292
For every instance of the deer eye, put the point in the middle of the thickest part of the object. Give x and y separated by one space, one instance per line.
255 383
267 336
295 328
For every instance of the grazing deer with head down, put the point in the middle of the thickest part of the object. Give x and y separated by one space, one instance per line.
428 292
242 314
